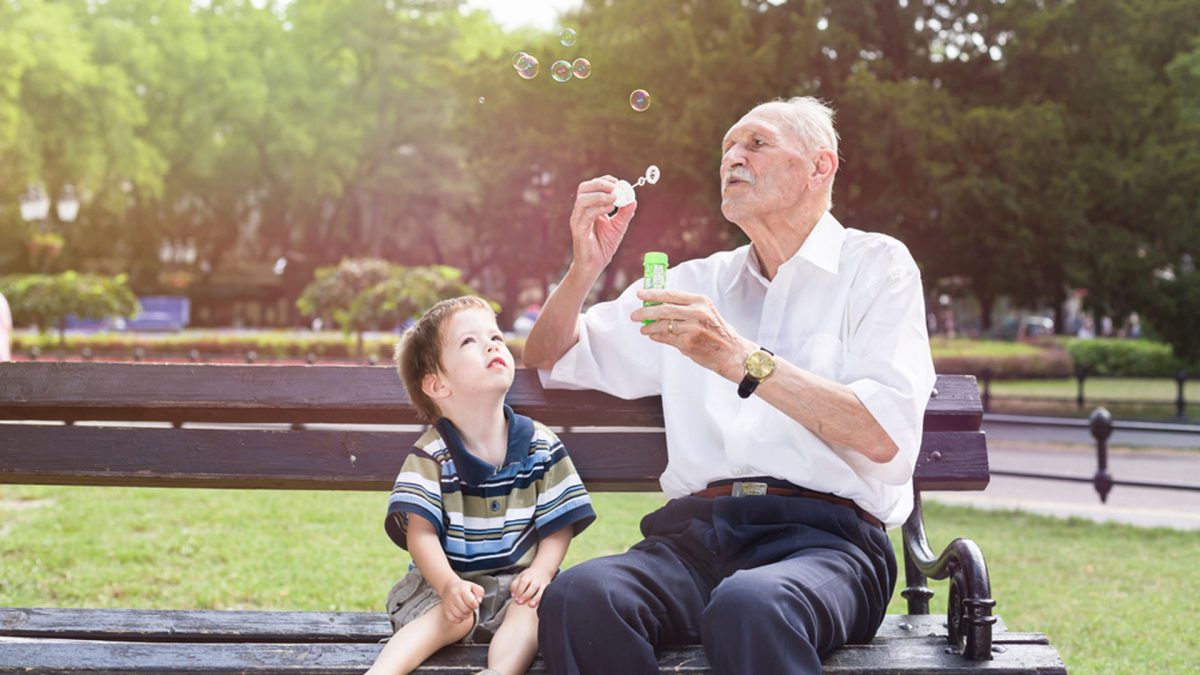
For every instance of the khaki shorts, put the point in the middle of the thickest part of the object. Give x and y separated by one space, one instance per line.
412 597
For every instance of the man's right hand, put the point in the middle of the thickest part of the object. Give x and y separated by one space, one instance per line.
460 599
595 235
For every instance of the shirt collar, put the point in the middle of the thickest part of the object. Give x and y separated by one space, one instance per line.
473 470
823 248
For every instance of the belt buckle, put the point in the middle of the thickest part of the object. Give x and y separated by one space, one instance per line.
746 488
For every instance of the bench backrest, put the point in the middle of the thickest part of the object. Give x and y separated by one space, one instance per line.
616 444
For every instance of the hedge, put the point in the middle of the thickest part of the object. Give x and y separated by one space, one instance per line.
1124 358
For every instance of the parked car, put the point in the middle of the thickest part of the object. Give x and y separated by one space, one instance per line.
1029 326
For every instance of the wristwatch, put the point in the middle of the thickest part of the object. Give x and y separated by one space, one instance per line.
759 366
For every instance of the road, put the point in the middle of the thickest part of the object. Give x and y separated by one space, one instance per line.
1134 455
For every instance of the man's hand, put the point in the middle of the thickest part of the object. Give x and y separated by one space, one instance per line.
527 587
691 324
460 599
595 236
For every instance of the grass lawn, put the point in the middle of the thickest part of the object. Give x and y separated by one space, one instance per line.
1112 598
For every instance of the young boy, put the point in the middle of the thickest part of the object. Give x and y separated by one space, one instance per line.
487 504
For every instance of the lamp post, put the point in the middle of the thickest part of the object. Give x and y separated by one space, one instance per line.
35 209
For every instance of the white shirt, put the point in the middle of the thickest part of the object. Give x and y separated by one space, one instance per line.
847 306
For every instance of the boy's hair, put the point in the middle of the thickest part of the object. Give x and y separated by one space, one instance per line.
419 352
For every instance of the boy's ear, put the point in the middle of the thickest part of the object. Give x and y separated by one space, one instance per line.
434 386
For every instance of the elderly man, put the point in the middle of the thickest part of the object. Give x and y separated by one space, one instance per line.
794 374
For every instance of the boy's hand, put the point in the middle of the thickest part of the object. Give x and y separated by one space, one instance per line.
460 599
528 586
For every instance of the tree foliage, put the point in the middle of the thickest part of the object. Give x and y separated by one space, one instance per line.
46 300
368 293
1020 147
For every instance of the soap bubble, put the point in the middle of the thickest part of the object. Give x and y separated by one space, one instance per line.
639 100
582 68
528 69
567 37
517 59
652 174
482 100
561 70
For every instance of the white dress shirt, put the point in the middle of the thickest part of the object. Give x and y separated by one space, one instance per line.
847 306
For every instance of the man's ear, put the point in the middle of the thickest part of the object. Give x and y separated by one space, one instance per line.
434 386
825 165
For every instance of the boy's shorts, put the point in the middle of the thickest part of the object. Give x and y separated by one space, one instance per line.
412 597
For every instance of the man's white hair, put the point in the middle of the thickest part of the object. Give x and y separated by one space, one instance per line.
811 120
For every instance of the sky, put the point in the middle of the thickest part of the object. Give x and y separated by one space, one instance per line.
511 14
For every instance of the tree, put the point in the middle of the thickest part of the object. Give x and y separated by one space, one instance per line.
47 300
1173 315
365 293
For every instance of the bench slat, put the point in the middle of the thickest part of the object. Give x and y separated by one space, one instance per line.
330 394
357 460
1019 653
154 625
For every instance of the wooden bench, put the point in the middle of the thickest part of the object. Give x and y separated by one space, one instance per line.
617 445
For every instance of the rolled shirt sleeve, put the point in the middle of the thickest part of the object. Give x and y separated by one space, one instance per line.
611 355
889 365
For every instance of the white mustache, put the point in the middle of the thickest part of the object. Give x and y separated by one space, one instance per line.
740 173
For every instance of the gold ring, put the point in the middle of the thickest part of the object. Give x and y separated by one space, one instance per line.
671 326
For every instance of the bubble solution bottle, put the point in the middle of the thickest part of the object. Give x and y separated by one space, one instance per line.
654 266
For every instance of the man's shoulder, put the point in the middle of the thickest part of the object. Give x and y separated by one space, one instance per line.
880 252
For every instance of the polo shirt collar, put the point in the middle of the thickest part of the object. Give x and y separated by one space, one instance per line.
473 470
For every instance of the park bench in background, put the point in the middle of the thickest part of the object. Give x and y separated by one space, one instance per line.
617 445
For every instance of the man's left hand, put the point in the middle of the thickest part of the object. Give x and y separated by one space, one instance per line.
691 324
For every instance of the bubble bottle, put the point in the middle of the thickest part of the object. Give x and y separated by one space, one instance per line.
654 268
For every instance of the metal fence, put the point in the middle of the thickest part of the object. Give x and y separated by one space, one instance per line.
1081 377
1100 423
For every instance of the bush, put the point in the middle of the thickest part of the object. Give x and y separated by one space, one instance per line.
1124 357
1047 363
267 345
47 300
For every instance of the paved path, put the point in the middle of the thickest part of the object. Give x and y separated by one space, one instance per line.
1133 456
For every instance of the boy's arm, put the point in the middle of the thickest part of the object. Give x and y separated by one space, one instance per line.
529 584
460 598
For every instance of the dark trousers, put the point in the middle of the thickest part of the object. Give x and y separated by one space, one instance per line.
768 584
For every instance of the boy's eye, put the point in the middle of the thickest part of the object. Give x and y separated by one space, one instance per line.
467 341
498 337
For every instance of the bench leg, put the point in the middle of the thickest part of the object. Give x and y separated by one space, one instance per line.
969 617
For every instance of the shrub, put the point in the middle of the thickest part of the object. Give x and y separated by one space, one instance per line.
1047 363
1124 357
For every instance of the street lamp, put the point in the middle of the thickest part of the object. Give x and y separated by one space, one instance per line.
35 205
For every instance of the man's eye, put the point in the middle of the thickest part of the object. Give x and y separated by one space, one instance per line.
758 142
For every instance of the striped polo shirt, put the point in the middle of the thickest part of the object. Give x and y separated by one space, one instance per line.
489 518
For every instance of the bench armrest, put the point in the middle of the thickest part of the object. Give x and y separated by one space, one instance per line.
969 617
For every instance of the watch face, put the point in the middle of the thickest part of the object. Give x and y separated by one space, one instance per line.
760 364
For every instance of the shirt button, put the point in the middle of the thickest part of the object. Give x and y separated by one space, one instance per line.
495 505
